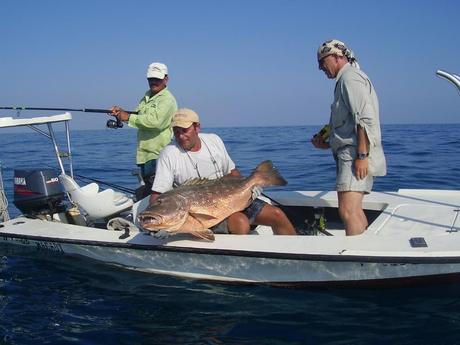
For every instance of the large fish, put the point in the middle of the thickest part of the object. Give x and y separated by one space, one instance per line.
199 204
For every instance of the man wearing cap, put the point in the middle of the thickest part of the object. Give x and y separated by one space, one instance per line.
355 137
153 121
203 155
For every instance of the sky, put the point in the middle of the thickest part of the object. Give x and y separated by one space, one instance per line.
237 63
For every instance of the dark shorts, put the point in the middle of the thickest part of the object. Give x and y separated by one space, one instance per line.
254 209
148 169
148 175
251 212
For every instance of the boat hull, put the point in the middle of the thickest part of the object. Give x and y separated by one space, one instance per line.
415 236
222 261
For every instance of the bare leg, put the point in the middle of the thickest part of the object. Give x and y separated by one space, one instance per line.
277 219
238 224
351 212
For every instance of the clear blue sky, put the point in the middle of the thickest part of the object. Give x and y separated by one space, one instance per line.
237 63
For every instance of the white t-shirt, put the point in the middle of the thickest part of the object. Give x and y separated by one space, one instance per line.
176 166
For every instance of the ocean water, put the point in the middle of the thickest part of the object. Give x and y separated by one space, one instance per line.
67 300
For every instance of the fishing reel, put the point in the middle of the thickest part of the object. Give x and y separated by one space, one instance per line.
114 124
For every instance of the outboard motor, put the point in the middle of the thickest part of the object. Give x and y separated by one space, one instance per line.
38 192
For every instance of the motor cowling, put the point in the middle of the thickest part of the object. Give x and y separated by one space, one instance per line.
37 191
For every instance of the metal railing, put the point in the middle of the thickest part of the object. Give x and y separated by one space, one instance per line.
453 78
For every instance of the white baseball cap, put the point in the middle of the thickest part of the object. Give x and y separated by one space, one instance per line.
157 70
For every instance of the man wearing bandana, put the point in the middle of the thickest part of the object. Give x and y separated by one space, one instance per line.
355 137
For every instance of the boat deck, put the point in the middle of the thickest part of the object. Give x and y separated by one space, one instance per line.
410 211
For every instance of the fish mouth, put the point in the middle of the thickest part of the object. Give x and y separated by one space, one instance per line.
149 222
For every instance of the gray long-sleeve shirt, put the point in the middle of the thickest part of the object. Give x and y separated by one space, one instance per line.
355 103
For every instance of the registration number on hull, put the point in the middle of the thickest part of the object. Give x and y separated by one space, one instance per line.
39 245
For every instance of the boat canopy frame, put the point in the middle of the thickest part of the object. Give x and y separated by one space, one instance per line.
34 122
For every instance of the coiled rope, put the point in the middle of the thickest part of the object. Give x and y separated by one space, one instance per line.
4 215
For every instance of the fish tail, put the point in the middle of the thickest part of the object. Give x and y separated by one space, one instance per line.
266 174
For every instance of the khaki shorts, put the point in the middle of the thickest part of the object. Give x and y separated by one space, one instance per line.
346 179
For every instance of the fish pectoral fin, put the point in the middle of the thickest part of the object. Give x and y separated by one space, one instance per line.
202 216
204 234
203 219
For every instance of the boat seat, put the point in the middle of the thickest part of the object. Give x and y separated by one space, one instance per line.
138 207
96 204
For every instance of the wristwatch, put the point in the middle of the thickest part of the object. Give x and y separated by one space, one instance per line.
362 155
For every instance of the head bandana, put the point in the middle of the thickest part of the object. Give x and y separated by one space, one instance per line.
338 48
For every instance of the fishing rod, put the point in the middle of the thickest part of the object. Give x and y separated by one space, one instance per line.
83 178
123 189
110 123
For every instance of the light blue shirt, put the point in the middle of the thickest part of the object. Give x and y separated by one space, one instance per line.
356 103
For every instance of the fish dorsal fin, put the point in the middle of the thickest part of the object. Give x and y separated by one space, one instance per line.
195 181
231 178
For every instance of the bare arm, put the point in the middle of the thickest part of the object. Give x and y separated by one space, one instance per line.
235 172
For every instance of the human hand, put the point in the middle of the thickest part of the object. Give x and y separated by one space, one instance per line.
119 113
161 234
256 192
319 143
361 168
115 110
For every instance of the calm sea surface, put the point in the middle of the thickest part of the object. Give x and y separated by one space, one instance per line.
70 300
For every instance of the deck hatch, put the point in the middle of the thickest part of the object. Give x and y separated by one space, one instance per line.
417 242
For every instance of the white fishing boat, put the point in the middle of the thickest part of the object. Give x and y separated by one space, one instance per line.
413 234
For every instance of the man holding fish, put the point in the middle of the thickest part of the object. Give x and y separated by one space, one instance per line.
211 193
